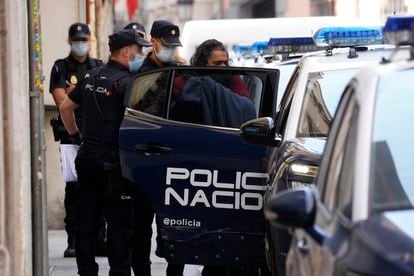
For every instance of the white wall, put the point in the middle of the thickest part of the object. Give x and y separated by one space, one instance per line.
56 17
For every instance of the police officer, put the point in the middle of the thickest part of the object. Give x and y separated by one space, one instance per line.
64 76
102 188
165 41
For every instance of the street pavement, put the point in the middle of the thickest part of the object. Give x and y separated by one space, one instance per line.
59 266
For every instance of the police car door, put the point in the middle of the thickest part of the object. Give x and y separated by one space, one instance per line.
180 144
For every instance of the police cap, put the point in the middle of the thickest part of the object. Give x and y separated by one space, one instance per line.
136 26
167 32
79 30
126 37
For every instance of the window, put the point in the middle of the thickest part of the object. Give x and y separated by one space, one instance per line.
148 93
224 99
322 94
206 96
392 150
337 181
286 102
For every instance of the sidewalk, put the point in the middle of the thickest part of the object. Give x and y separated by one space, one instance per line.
59 266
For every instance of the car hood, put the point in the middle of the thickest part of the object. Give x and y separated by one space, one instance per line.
385 244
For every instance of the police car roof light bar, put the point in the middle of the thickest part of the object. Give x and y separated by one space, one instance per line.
335 37
286 45
399 30
242 47
259 46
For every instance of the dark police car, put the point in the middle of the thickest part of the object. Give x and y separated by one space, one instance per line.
360 221
180 144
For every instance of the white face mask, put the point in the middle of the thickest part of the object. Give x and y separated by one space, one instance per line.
80 48
166 54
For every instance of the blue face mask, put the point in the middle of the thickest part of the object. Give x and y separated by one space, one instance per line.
80 48
136 63
166 54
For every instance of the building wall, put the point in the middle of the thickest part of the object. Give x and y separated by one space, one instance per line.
56 17
15 175
377 10
296 8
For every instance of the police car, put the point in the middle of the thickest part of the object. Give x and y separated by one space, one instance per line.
360 220
298 132
179 142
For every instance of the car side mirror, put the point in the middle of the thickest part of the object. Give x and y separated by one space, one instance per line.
292 208
260 131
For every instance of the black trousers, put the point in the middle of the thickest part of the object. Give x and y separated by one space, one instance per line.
143 216
102 190
70 202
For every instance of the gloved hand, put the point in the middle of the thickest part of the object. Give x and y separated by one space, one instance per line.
76 138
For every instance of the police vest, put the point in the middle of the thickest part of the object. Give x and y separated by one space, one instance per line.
102 106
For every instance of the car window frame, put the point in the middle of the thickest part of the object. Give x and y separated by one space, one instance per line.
269 90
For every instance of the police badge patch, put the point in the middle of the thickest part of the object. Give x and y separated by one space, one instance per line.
73 79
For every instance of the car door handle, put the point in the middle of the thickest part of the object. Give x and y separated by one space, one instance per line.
303 246
152 149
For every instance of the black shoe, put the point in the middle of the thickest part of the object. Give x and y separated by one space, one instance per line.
70 252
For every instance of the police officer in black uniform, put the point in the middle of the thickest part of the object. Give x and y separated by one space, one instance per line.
64 76
165 40
100 96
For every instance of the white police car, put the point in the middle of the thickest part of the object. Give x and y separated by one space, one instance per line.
287 52
298 132
360 221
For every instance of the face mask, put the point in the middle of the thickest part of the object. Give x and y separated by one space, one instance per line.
80 48
136 63
166 54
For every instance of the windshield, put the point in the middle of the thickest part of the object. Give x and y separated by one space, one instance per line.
322 94
392 171
285 72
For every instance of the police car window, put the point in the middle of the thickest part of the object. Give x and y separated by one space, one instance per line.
148 93
221 99
322 94
285 103
286 72
338 182
392 150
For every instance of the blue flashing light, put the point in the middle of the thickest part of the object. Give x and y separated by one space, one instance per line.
348 36
259 46
399 30
242 47
293 41
282 45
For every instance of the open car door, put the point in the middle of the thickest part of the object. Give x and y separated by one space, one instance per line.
180 144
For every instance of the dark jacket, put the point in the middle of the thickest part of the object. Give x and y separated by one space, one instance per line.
205 101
